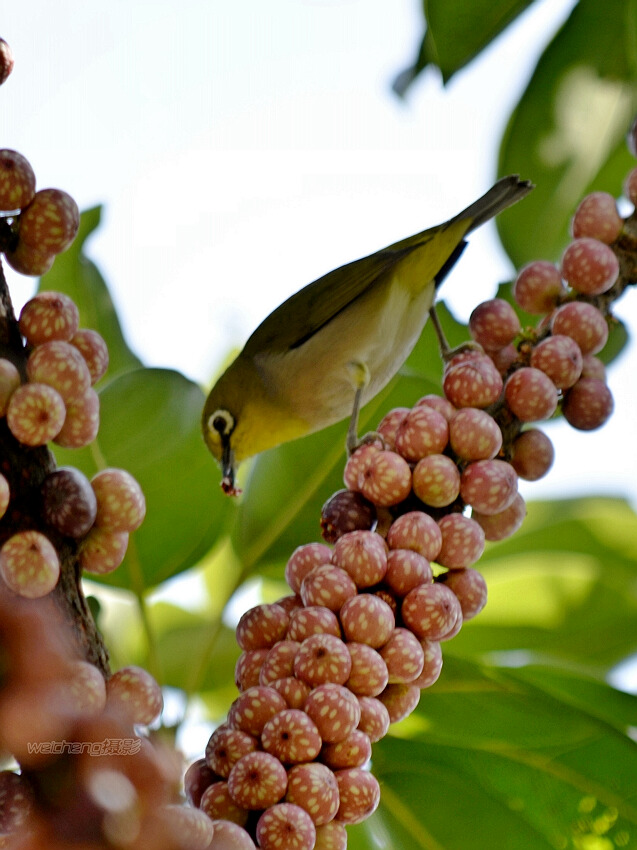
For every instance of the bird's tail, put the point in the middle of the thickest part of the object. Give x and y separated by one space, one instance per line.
507 191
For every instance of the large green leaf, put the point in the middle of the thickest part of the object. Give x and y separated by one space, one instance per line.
456 32
77 276
281 506
567 131
150 426
494 758
562 587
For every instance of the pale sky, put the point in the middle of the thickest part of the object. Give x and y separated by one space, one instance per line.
243 149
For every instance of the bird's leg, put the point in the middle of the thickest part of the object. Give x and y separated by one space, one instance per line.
360 378
446 352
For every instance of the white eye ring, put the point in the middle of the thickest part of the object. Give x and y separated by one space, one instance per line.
221 421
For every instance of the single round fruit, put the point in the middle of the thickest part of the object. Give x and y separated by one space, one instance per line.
5 495
61 366
589 266
30 261
582 322
359 794
530 395
49 316
597 217
29 564
102 551
120 501
474 435
462 541
285 825
588 404
346 511
135 693
50 221
560 358
68 502
489 486
257 780
313 787
494 324
35 414
94 351
9 383
17 181
6 61
532 454
472 383
436 481
538 287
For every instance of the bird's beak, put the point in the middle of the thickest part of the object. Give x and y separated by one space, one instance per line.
228 470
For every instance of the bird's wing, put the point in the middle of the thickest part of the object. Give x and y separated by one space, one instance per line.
314 306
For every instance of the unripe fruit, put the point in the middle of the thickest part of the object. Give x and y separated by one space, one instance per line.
470 588
432 664
82 421
286 825
489 486
321 659
29 564
315 620
61 366
367 619
588 404
303 560
230 836
331 836
226 746
474 435
386 479
422 432
248 667
388 426
494 324
533 454
405 570
313 787
436 481
253 708
291 736
279 662
17 181
49 316
462 541
597 217
560 358
359 794
50 221
403 656
439 403
530 395
257 780
417 531
363 555
592 367
374 720
135 693
184 827
329 586
368 675
197 778
68 502
293 690
503 524
353 751
473 383
538 287
345 511
334 710
400 701
86 689
582 322
35 414
9 383
217 803
102 551
262 626
30 261
120 501
94 351
430 611
589 266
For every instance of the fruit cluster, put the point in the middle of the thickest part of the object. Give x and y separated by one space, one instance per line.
326 670
43 223
57 402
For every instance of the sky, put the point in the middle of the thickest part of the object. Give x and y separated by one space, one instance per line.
241 150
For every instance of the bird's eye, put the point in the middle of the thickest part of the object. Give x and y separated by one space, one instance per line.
221 421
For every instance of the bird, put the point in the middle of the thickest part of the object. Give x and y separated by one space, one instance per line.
334 344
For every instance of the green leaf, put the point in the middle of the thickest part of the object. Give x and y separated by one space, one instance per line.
567 132
567 575
150 426
496 758
456 32
281 506
78 277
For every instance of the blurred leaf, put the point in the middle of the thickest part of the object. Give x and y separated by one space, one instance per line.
281 506
150 426
574 565
567 132
456 31
495 759
77 276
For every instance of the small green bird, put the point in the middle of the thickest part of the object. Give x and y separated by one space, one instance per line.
337 342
